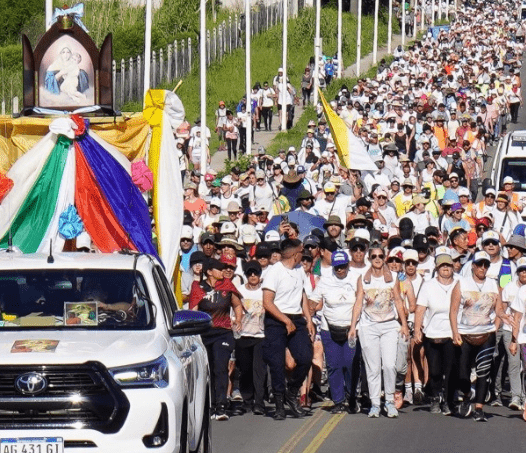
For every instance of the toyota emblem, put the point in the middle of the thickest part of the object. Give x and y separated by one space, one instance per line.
31 383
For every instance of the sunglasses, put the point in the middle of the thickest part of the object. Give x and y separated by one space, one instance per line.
411 263
484 264
482 228
341 267
358 248
490 196
453 179
394 260
311 247
373 257
491 242
186 240
458 211
252 272
381 197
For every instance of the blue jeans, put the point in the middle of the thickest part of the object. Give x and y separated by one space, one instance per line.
339 358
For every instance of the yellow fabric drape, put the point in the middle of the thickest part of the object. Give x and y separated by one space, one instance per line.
18 135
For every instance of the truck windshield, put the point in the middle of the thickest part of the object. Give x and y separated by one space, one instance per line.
100 299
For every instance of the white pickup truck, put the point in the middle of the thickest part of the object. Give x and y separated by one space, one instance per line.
96 357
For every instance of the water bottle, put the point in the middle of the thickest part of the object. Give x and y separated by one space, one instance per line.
352 342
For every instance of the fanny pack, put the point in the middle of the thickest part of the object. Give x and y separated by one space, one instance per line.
339 334
438 340
476 339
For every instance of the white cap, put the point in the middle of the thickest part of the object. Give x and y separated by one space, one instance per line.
508 180
260 174
362 233
491 191
480 256
521 263
453 175
280 70
271 236
83 240
249 235
411 255
442 250
463 191
187 232
228 228
227 180
215 202
329 187
291 148
490 235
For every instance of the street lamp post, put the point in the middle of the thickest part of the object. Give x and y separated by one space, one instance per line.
248 135
284 86
359 38
390 28
202 68
317 53
340 62
375 35
147 46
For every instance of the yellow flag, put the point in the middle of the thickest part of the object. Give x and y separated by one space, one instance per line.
339 132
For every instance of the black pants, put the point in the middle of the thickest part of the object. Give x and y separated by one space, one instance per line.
242 139
306 95
266 113
219 345
231 147
514 111
442 360
274 345
249 360
481 357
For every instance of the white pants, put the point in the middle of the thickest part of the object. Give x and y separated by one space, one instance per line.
379 348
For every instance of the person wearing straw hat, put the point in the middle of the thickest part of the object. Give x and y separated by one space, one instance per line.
420 217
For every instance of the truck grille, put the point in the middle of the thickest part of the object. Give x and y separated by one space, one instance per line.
76 396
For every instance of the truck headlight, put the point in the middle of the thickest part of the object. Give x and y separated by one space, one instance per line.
150 374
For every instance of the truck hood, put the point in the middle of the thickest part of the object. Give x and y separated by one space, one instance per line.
111 348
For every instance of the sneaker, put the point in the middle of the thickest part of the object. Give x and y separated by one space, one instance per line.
497 402
221 414
374 412
435 406
446 409
392 411
236 395
258 409
354 405
479 416
398 399
408 397
515 404
465 409
338 408
418 396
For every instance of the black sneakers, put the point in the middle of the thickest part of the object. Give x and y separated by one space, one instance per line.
435 406
338 409
464 409
479 416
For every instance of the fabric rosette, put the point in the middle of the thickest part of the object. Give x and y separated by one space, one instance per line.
70 224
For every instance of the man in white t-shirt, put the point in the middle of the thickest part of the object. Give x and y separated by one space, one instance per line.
288 324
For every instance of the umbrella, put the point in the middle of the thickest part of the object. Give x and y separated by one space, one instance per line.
306 222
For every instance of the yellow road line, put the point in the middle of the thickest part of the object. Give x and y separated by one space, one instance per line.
291 444
324 433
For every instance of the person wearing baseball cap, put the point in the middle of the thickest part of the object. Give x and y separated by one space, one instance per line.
331 203
474 309
194 274
456 220
504 217
335 293
187 246
249 351
216 295
207 242
508 184
487 205
433 304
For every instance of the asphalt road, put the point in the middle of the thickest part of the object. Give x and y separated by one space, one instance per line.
416 430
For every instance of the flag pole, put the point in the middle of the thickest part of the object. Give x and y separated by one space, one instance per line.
147 47
49 13
340 8
202 68
317 53
359 39
375 34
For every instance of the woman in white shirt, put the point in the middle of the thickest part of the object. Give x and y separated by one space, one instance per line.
378 304
336 294
432 327
473 317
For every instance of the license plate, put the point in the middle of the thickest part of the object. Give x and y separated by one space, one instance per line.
32 445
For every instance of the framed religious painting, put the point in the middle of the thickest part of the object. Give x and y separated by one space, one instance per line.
67 72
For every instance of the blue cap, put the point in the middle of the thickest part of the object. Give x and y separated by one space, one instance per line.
520 229
300 169
339 257
311 240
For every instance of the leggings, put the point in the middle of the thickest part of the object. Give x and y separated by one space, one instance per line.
232 148
442 361
306 95
480 356
514 111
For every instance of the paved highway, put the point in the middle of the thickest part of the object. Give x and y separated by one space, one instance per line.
415 431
